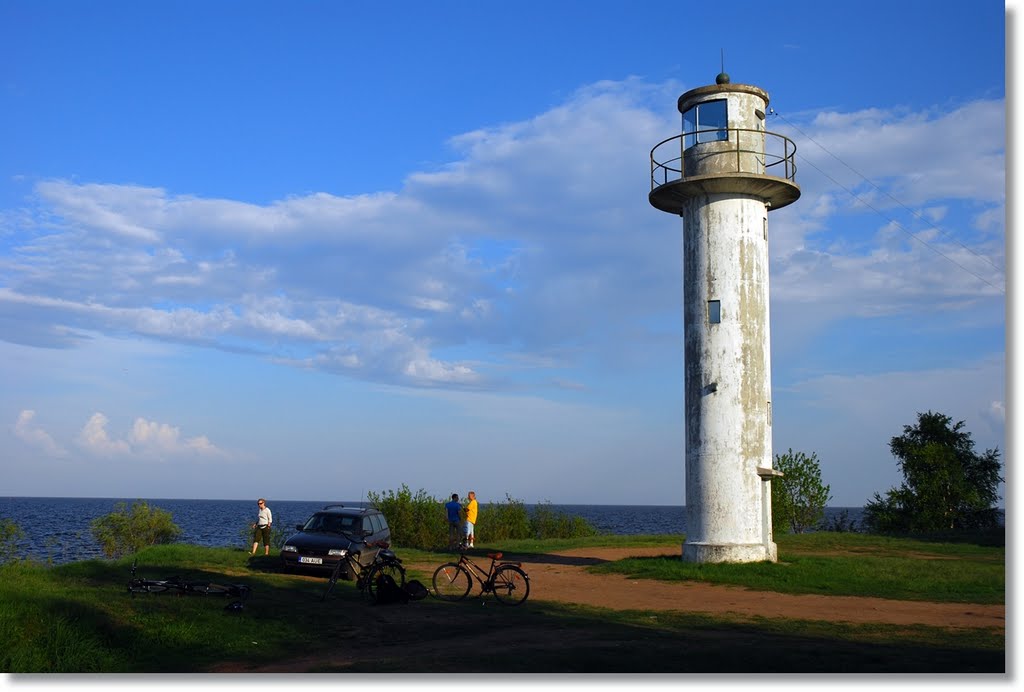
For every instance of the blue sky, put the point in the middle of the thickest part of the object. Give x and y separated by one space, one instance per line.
311 250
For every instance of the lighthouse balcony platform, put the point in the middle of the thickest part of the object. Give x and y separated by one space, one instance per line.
735 161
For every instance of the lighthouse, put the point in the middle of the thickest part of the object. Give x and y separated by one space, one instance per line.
722 175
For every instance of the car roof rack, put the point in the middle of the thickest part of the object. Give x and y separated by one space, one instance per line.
354 509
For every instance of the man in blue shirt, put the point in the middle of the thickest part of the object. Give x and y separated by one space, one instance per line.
454 510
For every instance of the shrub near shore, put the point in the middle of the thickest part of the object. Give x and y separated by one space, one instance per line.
418 520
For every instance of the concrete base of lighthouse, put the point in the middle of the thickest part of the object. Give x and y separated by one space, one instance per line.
730 552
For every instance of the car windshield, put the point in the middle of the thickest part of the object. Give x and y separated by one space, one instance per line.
333 523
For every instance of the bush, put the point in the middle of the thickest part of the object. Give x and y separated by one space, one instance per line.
420 520
10 535
501 522
127 530
416 521
511 520
547 523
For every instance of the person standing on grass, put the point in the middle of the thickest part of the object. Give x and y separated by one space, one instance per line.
471 511
261 529
454 510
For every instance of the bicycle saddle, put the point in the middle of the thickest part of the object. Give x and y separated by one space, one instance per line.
495 556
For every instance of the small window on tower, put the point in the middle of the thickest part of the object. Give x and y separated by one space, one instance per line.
706 122
714 311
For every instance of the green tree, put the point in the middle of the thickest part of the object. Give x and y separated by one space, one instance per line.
799 497
946 484
127 530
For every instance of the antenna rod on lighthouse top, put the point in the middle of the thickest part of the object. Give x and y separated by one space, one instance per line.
723 59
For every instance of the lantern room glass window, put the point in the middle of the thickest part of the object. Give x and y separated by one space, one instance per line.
706 122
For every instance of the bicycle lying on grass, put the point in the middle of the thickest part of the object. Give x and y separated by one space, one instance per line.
179 586
368 577
506 580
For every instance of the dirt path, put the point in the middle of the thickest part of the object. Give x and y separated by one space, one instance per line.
562 577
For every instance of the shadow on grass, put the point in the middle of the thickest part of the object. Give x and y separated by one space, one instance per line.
543 638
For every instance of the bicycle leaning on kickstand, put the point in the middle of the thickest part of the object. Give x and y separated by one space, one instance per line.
368 576
506 580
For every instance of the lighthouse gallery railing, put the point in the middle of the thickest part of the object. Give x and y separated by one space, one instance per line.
777 156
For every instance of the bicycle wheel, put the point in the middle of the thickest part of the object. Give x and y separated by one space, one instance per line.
452 582
511 585
390 568
332 580
209 589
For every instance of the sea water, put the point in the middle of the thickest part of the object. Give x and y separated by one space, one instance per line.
57 528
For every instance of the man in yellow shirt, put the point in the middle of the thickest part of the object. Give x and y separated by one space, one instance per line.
470 512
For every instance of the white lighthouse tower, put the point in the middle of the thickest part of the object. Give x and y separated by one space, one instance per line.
723 175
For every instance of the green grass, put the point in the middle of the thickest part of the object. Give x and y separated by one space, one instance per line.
79 618
850 565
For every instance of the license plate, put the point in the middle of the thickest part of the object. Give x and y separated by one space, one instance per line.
312 560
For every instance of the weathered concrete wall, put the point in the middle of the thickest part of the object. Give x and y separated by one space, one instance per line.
727 377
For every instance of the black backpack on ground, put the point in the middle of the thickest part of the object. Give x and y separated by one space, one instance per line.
388 591
416 590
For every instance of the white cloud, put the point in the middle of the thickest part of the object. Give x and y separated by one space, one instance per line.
535 239
30 433
102 208
911 241
956 154
152 438
94 438
146 440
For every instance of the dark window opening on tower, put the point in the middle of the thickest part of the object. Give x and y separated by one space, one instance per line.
714 311
706 122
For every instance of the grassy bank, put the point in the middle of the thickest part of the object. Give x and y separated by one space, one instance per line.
79 618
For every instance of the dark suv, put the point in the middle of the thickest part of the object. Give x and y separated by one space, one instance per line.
331 532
